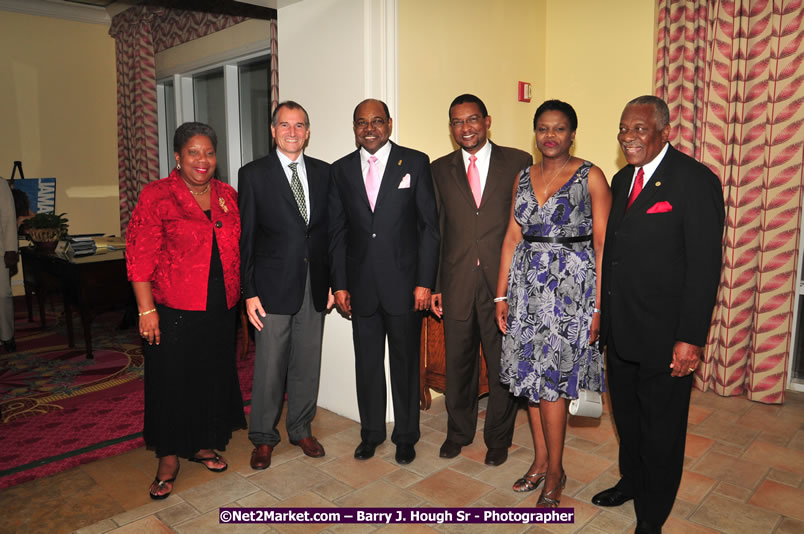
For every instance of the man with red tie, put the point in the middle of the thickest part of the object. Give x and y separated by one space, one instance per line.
474 186
384 241
661 268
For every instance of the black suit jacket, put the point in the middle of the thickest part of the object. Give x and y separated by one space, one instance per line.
469 233
380 256
276 246
661 270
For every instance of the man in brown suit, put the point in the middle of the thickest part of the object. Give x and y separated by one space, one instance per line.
474 187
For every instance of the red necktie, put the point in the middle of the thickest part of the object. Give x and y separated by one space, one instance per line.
636 189
474 179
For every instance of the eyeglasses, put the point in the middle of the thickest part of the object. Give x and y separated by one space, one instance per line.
376 122
474 120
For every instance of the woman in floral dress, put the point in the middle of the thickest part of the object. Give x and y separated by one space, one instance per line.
548 289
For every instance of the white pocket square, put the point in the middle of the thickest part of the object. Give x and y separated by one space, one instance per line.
405 183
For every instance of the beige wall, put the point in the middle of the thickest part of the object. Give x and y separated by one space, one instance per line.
59 113
450 47
597 62
570 50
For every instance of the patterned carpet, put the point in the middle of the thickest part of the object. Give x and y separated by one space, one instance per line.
59 409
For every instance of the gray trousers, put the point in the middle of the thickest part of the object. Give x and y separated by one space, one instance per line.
288 352
6 305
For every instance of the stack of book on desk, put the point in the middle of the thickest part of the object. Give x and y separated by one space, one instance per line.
110 242
82 245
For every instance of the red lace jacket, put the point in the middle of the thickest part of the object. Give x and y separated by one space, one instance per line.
169 242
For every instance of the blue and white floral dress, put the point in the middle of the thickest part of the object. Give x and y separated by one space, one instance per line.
551 296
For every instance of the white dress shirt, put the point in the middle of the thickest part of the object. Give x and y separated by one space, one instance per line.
483 158
382 160
301 170
649 168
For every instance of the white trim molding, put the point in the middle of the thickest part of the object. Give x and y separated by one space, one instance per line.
380 54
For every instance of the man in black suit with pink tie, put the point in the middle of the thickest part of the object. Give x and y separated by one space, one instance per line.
384 243
661 268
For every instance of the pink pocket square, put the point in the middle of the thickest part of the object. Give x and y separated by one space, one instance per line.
660 207
405 183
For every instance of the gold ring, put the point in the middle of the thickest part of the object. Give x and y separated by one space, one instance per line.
692 369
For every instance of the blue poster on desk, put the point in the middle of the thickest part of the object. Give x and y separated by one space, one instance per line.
41 193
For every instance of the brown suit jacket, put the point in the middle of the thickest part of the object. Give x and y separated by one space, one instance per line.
469 233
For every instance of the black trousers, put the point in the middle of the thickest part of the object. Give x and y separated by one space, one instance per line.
650 410
404 340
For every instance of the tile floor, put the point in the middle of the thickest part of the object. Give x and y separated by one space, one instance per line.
744 474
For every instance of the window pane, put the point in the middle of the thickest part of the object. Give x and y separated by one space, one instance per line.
798 353
170 118
209 105
255 108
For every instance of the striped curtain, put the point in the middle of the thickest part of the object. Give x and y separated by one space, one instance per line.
140 32
274 68
732 73
137 132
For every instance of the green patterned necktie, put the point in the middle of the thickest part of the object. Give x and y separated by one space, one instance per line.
298 191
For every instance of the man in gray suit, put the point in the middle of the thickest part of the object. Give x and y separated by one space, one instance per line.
285 270
474 187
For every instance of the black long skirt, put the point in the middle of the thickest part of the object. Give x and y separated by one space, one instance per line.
192 392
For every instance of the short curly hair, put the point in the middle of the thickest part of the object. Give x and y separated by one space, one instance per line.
188 130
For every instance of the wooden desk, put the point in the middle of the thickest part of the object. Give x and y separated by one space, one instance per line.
90 283
433 363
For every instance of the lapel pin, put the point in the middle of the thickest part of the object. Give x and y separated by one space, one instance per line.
223 205
658 184
399 164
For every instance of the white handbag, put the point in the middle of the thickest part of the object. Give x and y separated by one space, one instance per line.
588 404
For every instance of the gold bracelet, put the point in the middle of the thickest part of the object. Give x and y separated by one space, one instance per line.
146 312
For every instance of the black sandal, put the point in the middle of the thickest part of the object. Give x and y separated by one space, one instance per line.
216 458
161 484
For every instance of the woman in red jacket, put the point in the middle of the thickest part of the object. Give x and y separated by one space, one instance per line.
184 265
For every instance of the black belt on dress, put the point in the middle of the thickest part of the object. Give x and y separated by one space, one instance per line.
561 240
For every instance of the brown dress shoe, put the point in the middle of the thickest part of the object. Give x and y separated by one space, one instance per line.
310 446
261 456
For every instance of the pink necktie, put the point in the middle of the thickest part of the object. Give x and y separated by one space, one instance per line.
474 179
636 189
372 182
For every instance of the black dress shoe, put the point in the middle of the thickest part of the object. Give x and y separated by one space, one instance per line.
611 497
405 453
10 345
643 527
449 449
496 455
365 450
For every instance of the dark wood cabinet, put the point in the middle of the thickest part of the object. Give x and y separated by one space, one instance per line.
432 362
89 283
